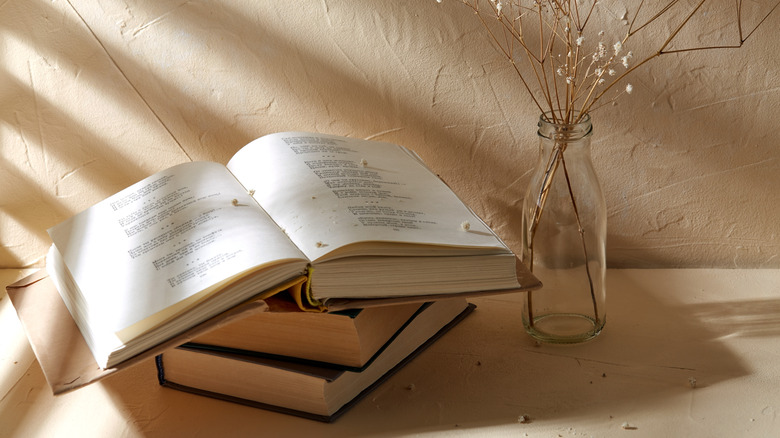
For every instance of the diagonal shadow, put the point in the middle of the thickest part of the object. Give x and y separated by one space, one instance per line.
486 372
211 135
45 207
298 73
649 350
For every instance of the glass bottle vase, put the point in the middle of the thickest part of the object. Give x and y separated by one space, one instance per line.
564 237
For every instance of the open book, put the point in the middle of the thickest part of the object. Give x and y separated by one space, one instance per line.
339 222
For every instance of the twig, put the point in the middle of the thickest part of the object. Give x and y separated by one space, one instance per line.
576 92
582 239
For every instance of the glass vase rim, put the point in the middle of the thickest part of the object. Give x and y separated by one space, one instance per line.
546 117
564 131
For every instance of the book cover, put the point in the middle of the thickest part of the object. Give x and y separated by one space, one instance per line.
348 338
388 362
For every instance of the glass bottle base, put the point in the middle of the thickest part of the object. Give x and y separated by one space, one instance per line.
564 328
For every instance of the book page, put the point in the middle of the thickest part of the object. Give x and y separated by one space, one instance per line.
165 239
329 192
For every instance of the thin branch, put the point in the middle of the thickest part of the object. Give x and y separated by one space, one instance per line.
549 16
658 15
739 18
680 27
582 239
588 103
590 12
475 8
757 25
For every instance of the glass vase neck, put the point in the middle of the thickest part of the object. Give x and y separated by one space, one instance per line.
565 132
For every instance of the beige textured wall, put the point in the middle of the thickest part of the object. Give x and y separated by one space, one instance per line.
95 95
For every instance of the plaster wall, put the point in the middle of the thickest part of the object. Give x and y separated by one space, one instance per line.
95 95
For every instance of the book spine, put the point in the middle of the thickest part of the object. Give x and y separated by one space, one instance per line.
158 360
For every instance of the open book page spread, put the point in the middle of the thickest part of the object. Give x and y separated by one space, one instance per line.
328 192
164 243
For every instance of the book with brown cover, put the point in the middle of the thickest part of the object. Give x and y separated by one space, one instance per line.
346 339
319 393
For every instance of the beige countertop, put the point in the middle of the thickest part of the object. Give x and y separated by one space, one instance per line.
684 353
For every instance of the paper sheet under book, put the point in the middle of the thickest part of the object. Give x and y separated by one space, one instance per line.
65 359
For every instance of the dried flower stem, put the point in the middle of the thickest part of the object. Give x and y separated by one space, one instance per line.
557 160
582 239
561 29
541 200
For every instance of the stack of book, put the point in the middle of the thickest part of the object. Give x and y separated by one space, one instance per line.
234 276
307 364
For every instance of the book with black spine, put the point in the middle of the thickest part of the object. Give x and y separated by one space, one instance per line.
319 393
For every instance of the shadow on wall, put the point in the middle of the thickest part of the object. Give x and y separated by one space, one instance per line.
50 136
177 110
275 77
699 156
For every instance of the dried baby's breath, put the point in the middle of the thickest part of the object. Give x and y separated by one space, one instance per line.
551 46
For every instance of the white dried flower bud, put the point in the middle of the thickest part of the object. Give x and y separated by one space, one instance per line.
618 47
602 50
580 40
612 72
629 88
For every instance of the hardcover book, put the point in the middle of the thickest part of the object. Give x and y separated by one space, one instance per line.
346 339
334 221
320 393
